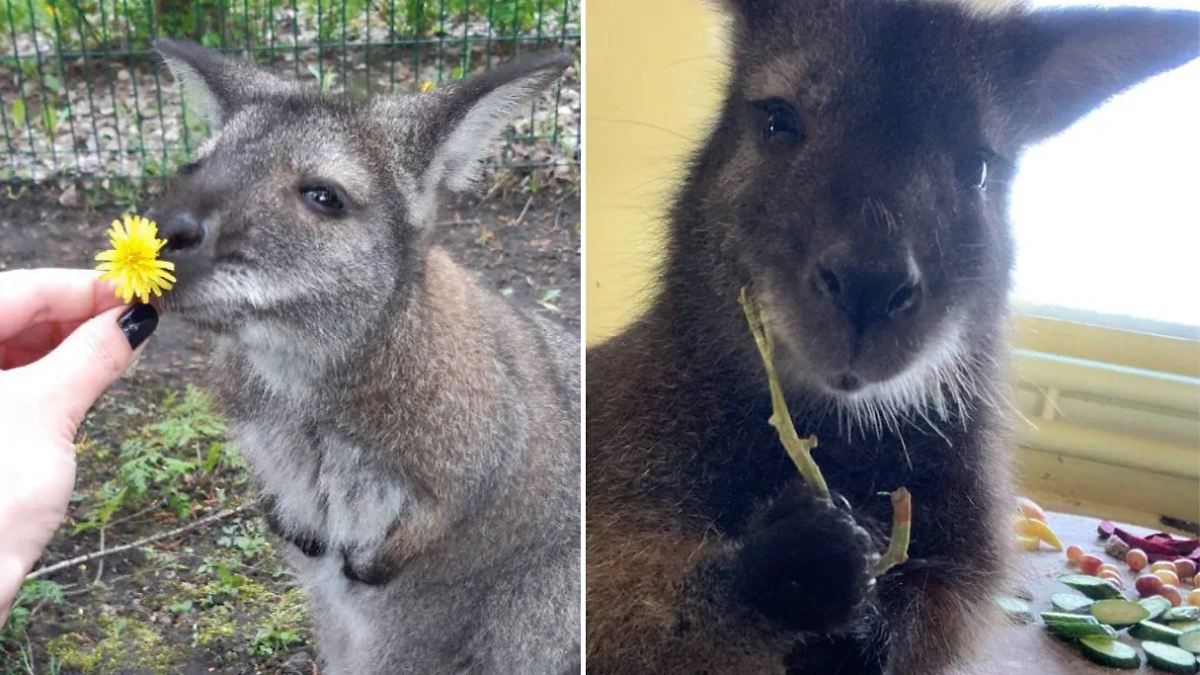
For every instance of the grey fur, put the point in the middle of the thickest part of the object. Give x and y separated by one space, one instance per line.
417 438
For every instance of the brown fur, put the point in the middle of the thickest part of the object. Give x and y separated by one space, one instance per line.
883 265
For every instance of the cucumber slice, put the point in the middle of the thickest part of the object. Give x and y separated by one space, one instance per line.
1118 613
1076 625
1180 613
1169 658
1016 610
1184 626
1073 602
1157 605
1063 617
1109 652
1149 630
1093 587
1190 641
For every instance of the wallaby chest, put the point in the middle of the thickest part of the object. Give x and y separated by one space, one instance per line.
321 482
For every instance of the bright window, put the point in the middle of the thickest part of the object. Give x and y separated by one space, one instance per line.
1107 214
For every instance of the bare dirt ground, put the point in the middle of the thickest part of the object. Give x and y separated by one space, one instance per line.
153 457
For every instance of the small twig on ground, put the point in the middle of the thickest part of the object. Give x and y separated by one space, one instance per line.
100 554
79 560
525 210
69 590
496 185
157 503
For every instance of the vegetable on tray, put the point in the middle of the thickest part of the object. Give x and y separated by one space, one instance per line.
1181 613
1030 527
1156 605
1169 657
1189 641
1118 613
1015 609
1074 626
1166 620
1157 546
1093 587
1151 630
1109 652
1073 602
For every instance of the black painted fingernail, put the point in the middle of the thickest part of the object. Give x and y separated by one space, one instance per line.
137 323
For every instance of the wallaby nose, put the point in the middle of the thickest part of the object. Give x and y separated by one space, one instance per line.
182 230
868 290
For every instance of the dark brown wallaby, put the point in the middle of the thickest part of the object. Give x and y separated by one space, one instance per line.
856 182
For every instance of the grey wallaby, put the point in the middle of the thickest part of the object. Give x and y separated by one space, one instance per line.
856 182
415 437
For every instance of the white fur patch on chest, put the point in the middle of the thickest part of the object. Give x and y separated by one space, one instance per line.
280 363
323 483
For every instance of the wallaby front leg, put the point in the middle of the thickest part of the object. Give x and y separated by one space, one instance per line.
375 563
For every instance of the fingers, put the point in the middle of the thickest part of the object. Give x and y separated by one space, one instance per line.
91 358
30 297
34 342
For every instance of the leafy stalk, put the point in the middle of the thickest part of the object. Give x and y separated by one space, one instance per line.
800 449
897 550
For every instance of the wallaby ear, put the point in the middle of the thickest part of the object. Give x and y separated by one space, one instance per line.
463 118
1073 60
216 85
746 13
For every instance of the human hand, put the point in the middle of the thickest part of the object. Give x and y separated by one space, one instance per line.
64 338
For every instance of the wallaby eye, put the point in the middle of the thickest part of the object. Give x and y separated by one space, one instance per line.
189 168
778 122
971 168
323 198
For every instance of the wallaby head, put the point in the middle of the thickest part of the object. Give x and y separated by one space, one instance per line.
858 177
299 201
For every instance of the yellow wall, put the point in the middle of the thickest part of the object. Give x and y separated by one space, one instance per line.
653 79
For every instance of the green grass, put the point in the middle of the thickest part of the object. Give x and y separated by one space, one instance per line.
14 640
149 463
162 462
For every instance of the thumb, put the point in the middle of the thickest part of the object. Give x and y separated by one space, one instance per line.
92 357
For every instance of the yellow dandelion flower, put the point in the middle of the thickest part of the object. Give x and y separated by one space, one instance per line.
426 85
133 261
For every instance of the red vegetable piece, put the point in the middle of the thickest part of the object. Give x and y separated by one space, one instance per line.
1158 546
1105 529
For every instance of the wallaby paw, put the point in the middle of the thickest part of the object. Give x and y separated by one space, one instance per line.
805 562
848 654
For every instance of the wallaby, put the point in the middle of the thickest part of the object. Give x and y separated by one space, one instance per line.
416 438
856 182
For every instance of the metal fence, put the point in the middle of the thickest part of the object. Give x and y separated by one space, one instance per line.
83 95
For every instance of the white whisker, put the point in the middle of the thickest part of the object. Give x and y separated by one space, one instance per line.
937 388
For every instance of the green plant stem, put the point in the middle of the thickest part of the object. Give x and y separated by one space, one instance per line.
800 449
897 550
